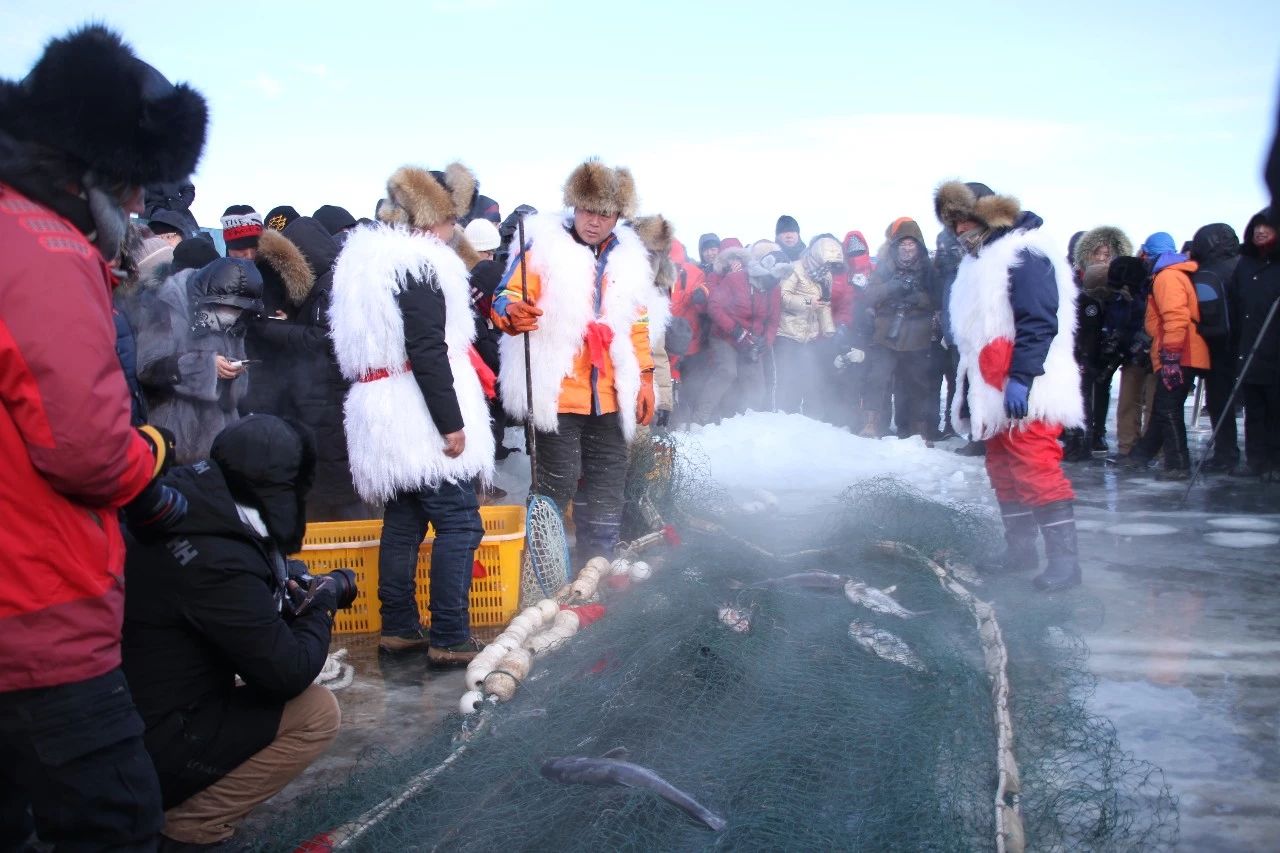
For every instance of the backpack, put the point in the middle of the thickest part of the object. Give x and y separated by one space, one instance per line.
1214 324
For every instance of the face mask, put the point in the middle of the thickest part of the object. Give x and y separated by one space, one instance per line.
971 240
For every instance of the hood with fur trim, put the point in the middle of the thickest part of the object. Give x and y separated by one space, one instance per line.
420 199
284 267
595 187
955 202
728 256
655 232
1095 238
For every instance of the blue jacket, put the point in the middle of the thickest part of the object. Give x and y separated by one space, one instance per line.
1033 292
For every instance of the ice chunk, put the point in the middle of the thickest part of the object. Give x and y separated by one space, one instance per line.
1242 539
1244 522
1141 529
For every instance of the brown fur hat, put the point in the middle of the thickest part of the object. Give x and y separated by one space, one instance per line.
655 232
1093 239
279 258
420 199
594 186
955 201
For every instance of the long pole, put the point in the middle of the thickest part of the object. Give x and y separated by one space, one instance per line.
1227 410
530 438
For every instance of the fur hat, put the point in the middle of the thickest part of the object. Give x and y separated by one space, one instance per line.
955 202
420 199
1093 239
595 187
656 233
91 98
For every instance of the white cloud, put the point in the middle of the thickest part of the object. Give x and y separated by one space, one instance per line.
267 85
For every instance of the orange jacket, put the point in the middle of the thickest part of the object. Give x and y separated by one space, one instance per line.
578 389
1172 314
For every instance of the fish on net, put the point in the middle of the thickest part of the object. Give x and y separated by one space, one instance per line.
774 718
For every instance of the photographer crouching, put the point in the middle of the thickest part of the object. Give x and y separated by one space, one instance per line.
216 600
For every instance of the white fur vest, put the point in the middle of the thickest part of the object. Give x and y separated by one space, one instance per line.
567 272
392 441
982 322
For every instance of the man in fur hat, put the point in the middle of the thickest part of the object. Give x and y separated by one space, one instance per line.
80 136
417 423
1013 321
582 289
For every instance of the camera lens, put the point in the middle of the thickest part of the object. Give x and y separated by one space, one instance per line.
346 582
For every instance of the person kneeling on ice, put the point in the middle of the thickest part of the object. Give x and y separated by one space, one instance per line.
216 600
589 284
417 421
1013 321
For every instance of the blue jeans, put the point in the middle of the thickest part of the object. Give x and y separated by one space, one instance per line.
454 512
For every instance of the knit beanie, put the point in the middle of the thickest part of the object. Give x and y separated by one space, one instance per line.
241 227
278 218
334 218
194 253
1159 243
482 235
153 252
786 223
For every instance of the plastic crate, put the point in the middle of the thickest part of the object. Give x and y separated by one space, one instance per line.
354 545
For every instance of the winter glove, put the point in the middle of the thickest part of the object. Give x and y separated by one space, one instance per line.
162 447
523 317
1015 399
853 356
645 402
1171 368
699 297
663 419
155 512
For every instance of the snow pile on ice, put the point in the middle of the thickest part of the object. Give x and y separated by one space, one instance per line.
1244 522
760 455
1139 528
1241 539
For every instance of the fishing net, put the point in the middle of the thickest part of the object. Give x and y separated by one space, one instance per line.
755 701
545 565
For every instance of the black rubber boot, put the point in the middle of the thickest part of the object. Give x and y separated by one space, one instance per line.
1020 532
1058 527
1177 461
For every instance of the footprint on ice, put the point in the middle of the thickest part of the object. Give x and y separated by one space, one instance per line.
1140 529
1244 522
1241 539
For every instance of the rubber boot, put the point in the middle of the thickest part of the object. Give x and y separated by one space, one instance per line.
1020 542
1177 463
1073 449
1057 522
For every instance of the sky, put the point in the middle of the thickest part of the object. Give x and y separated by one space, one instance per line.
1146 115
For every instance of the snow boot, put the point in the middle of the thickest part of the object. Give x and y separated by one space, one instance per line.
1057 522
973 448
1177 462
870 426
1020 542
1074 448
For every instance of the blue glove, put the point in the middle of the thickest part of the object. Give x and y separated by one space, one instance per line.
1015 399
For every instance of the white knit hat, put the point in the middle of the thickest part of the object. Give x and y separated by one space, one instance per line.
482 235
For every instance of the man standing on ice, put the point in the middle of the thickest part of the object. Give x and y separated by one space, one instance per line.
581 287
1013 322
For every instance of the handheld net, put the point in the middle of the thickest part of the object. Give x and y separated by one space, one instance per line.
800 738
545 564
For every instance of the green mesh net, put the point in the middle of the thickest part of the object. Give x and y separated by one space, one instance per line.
799 737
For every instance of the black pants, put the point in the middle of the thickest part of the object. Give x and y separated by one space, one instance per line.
1262 426
1168 427
1217 388
1101 392
589 448
73 757
798 377
907 374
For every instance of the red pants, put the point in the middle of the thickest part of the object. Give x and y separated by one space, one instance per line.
1025 465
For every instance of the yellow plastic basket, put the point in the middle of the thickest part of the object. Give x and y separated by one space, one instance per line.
354 545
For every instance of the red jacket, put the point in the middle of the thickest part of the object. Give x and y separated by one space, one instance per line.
71 458
685 302
736 305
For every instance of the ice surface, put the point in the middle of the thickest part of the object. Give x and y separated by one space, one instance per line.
800 460
1241 539
1244 522
1141 529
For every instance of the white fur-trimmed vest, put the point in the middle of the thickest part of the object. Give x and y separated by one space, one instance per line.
567 270
982 327
392 441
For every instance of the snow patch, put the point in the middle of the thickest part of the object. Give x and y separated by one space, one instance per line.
1242 539
1244 522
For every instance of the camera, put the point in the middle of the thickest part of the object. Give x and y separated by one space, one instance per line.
302 587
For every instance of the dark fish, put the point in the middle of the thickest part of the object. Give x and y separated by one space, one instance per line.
612 769
805 580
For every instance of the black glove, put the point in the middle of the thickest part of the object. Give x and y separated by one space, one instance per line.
699 297
662 418
155 512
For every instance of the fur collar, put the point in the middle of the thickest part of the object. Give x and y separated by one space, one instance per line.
280 254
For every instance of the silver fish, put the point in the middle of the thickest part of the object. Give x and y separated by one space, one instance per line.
963 572
738 621
877 600
806 580
884 645
612 768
